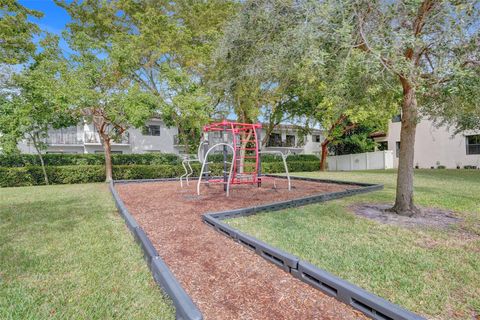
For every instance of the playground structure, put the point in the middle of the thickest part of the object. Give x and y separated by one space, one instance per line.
243 142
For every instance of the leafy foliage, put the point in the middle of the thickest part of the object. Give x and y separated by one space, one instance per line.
30 106
357 140
431 48
52 159
164 47
103 95
16 32
279 57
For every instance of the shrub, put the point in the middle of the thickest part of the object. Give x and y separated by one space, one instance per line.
52 159
469 167
32 175
16 177
25 160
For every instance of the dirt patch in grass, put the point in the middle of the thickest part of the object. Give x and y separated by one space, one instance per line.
427 218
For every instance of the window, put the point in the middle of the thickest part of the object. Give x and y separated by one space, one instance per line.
151 130
290 140
382 146
275 140
473 144
397 118
316 138
397 149
216 136
63 136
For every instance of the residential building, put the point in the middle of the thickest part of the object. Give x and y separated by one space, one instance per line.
155 136
434 146
287 138
284 138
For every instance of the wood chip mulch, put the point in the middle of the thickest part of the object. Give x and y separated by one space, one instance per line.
224 279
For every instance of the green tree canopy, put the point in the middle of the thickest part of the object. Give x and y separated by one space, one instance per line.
95 91
431 48
31 103
271 58
165 47
16 32
360 55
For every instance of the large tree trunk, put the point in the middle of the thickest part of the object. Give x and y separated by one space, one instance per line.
323 159
108 159
404 204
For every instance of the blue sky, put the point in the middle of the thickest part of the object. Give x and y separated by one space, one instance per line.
54 18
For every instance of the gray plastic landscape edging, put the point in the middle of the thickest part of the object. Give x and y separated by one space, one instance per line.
185 309
122 209
368 303
275 206
371 305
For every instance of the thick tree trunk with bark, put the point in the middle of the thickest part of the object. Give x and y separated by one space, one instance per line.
404 204
108 159
323 159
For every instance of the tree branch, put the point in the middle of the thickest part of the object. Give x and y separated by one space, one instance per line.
422 13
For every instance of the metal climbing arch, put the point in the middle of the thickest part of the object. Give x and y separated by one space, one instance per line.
243 140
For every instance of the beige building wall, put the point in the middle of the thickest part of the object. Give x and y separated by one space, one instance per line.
434 146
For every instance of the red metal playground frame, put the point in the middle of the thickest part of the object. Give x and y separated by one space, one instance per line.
245 141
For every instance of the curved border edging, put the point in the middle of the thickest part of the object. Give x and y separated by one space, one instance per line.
185 309
344 291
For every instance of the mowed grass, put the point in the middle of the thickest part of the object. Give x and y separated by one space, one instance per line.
66 254
430 271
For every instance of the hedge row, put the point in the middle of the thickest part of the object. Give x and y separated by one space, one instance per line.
32 175
26 160
52 159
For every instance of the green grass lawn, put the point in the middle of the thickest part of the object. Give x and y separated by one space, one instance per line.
430 271
66 254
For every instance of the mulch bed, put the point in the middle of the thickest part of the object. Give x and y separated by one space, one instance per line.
224 279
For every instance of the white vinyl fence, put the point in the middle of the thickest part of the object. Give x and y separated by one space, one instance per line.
361 161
